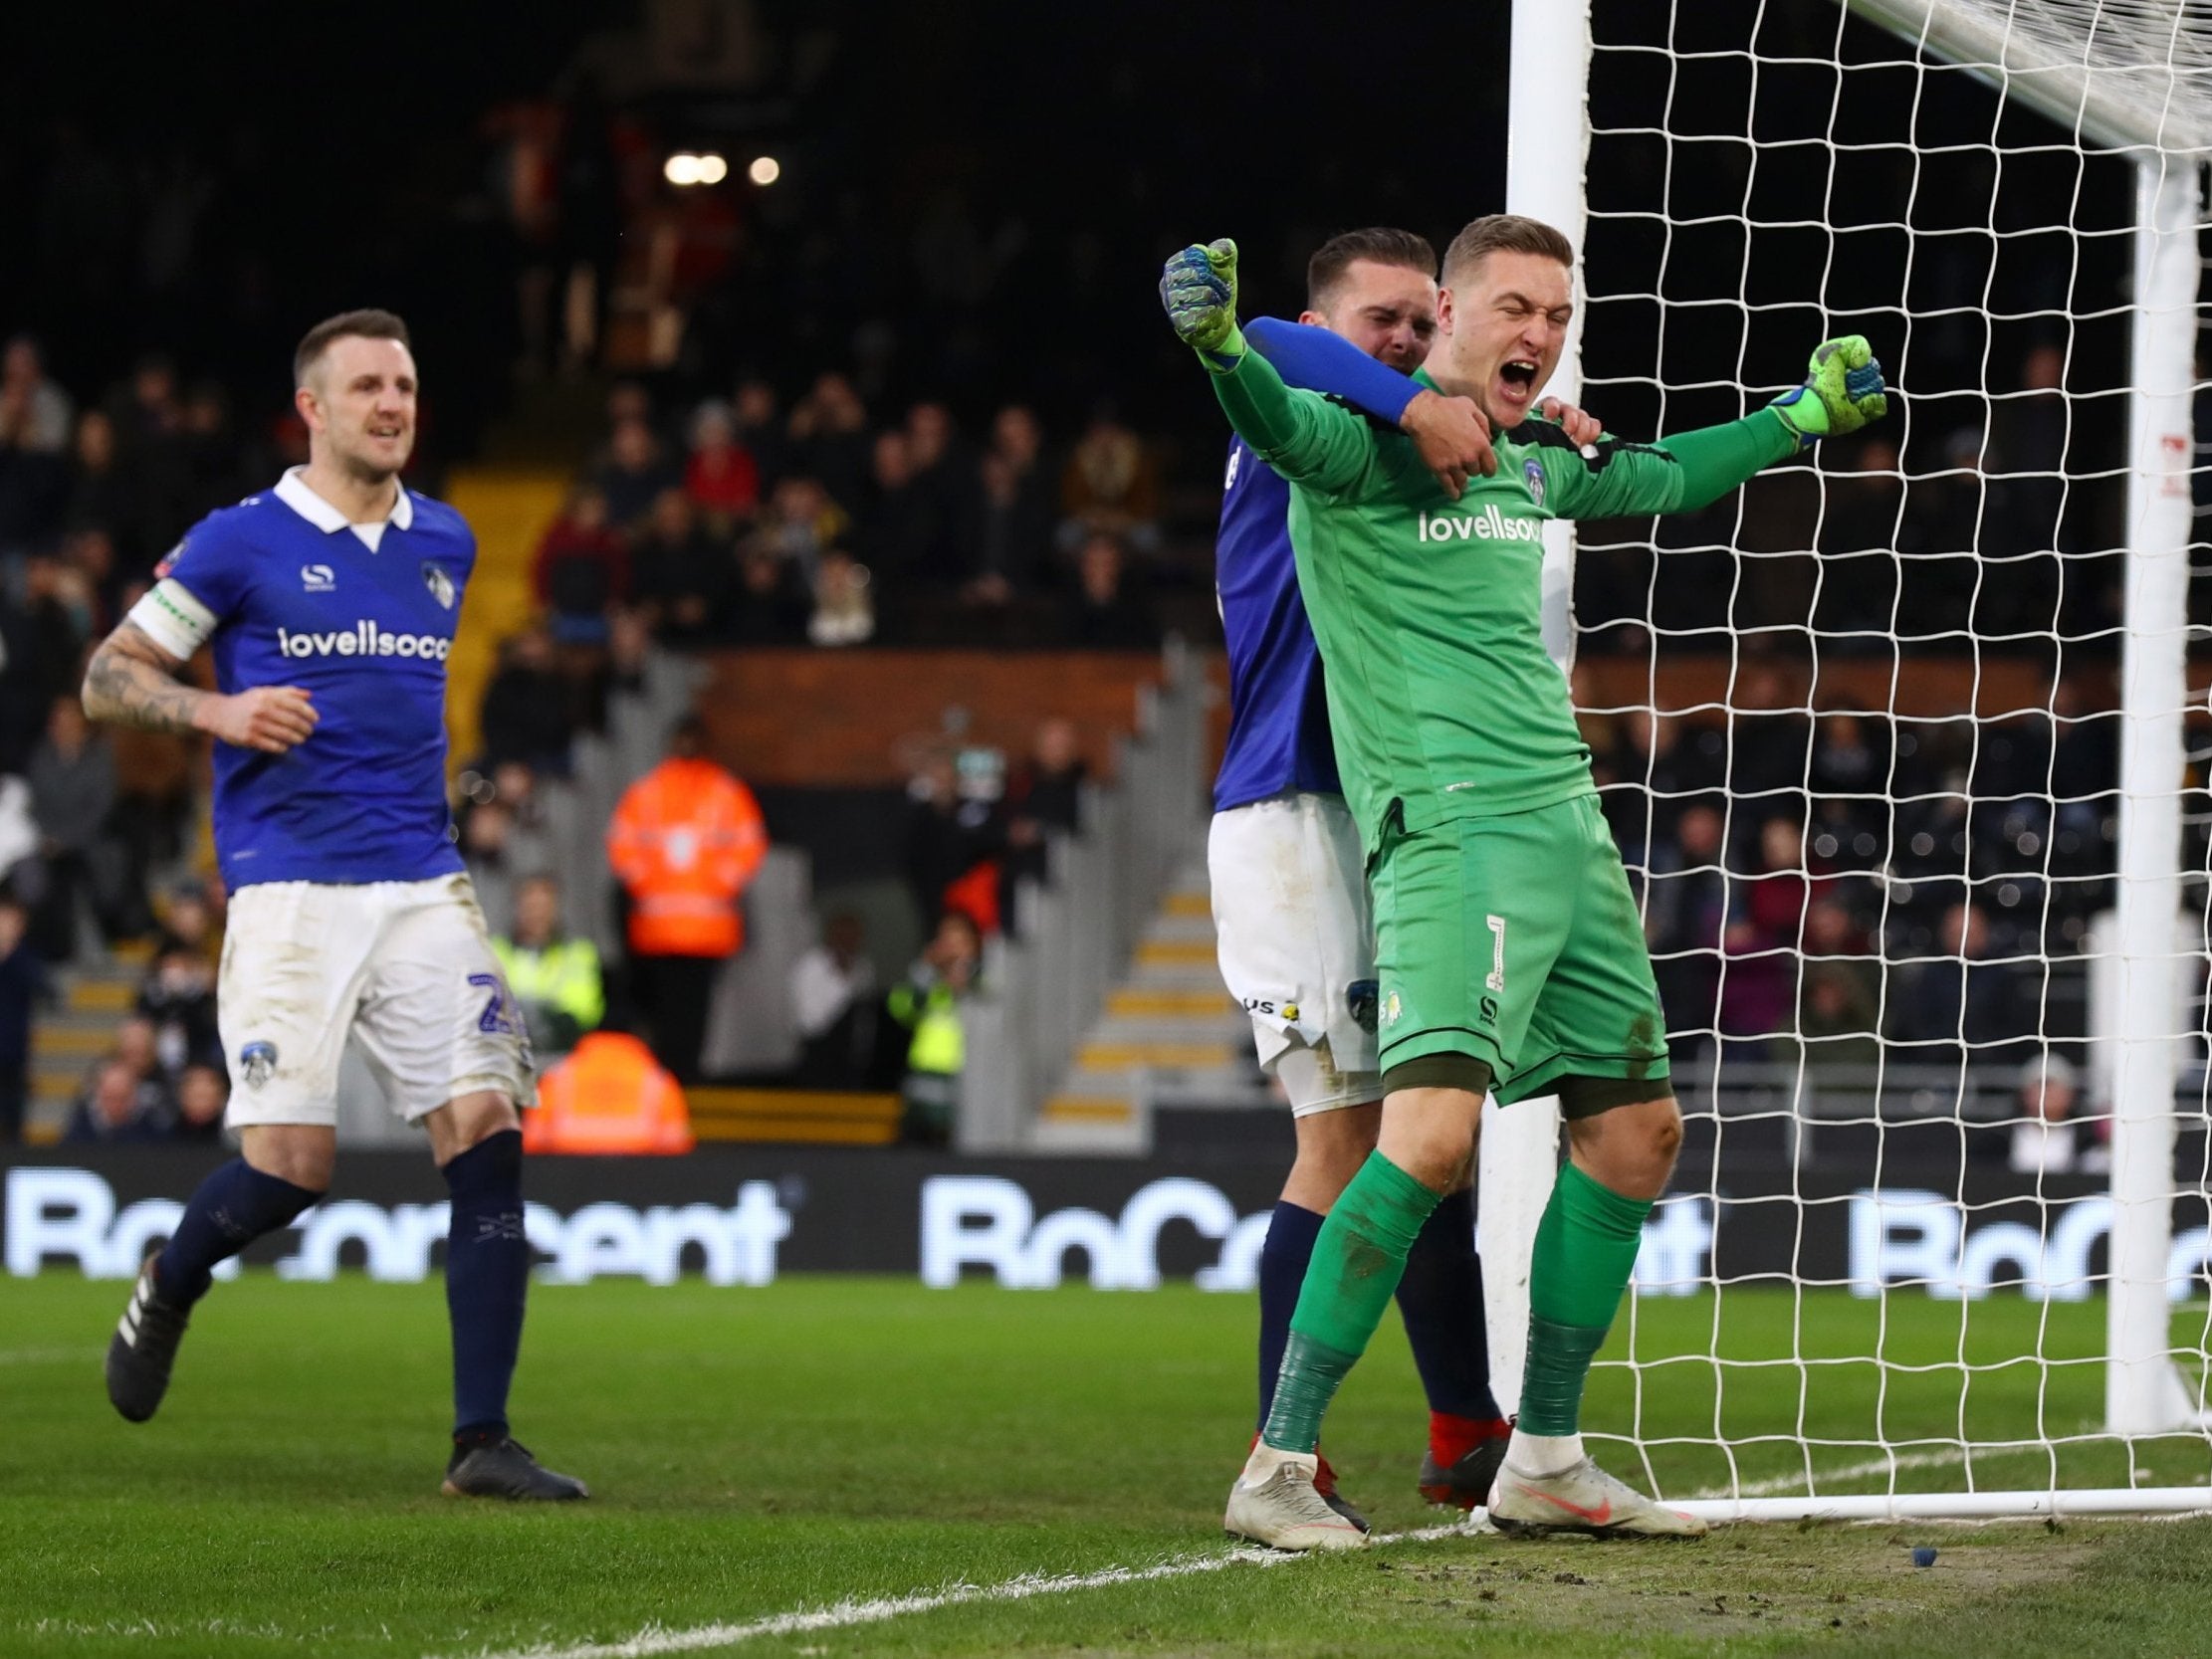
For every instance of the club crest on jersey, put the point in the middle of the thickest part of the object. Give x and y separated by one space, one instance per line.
256 1063
319 578
1533 471
439 583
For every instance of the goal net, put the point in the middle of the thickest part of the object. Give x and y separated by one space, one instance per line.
1893 743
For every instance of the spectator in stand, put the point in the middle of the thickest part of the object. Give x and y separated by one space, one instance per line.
683 576
1111 487
1685 917
104 494
1765 931
1045 794
212 474
686 841
34 411
945 479
829 437
73 790
948 835
927 1004
201 1094
485 828
149 432
720 475
634 475
1104 614
2043 1138
609 1098
33 472
896 534
539 819
1860 523
24 987
581 572
802 523
834 1005
1839 1000
1018 444
1961 1008
554 976
760 429
529 712
844 609
117 1106
773 606
1005 540
38 663
177 999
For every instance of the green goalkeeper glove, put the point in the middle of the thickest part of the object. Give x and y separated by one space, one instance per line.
1843 392
1198 289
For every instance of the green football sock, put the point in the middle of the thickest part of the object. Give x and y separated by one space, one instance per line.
1356 1263
1586 1249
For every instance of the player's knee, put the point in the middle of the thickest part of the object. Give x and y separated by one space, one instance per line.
1663 1133
303 1155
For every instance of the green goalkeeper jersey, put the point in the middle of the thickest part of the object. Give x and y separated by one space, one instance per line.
1442 697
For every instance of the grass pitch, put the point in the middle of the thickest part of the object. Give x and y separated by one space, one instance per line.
756 1453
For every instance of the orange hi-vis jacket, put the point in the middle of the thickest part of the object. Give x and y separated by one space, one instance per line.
686 840
609 1098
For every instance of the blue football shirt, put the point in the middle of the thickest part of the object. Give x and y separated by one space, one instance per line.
362 618
1278 713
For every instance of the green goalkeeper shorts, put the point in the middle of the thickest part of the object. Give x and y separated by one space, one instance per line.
1515 941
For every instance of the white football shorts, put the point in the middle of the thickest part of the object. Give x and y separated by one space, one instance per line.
1297 943
402 970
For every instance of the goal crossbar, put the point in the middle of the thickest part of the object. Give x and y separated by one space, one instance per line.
2124 74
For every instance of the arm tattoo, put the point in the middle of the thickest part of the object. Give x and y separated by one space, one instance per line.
130 682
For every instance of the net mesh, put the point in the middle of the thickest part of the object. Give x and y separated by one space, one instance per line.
1855 727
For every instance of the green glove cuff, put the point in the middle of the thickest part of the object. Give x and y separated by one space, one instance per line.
1224 358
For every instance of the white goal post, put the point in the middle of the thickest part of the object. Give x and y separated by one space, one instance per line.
2130 79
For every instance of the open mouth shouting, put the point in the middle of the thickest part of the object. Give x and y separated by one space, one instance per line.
1515 388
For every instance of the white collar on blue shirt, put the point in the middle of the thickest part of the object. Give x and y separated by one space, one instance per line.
293 491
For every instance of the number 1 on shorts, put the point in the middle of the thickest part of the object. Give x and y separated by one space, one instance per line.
1496 979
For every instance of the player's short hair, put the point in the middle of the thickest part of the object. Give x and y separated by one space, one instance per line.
1503 233
1377 243
368 324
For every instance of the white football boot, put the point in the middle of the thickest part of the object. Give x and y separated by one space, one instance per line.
1274 1502
1582 1498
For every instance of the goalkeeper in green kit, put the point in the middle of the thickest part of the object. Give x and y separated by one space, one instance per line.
1510 954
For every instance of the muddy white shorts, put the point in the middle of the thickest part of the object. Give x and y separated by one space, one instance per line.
403 970
1297 943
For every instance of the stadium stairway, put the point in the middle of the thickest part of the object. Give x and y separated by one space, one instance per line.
1169 1032
67 1038
510 509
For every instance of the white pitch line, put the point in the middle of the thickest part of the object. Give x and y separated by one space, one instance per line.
48 1356
1776 1485
653 1641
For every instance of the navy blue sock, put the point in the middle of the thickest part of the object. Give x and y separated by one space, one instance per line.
486 1271
1283 1270
233 1207
1441 1298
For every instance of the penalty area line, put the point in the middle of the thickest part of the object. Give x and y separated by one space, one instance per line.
654 1640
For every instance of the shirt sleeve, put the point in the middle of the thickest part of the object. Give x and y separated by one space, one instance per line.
1613 479
197 589
1321 361
1302 435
